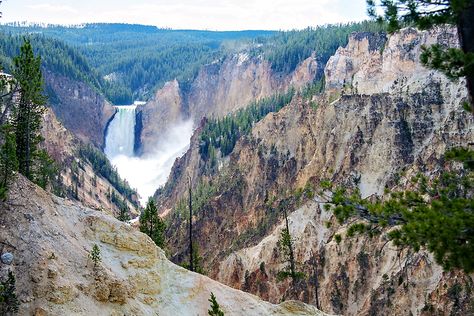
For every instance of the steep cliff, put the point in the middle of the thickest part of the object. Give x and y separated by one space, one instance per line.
50 239
219 89
223 87
369 65
362 130
157 115
79 107
78 179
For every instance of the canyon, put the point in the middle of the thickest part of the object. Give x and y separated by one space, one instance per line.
380 119
51 238
383 117
220 88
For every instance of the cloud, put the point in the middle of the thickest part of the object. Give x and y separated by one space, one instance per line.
193 14
52 8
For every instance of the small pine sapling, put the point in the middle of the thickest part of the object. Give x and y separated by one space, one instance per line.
94 255
215 308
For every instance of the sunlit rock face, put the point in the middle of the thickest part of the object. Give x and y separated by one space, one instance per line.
370 136
233 83
373 63
50 239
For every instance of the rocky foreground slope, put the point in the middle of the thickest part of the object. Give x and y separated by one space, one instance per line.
50 239
382 119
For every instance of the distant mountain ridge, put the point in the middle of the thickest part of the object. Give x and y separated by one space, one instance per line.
136 59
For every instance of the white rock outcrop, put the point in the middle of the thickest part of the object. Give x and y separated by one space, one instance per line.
51 238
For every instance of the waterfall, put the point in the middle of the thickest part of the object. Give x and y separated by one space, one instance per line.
145 173
120 136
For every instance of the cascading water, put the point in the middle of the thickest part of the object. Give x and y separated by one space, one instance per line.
148 172
120 137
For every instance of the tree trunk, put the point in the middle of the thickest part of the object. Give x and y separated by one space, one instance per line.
27 143
465 28
316 282
290 248
191 264
151 225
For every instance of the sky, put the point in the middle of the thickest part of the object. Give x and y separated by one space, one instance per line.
189 14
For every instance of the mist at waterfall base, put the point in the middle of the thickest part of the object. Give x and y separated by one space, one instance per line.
148 172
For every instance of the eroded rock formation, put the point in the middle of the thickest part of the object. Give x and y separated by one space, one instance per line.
51 238
219 89
383 115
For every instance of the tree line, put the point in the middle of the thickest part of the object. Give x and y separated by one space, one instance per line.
23 104
222 133
128 62
287 49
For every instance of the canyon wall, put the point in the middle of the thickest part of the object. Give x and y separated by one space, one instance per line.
363 131
219 88
80 108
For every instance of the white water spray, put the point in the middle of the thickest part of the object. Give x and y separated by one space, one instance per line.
149 172
120 138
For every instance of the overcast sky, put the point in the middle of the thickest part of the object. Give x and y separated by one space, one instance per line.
189 14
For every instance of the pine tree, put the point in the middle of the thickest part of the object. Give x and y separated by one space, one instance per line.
8 160
8 299
285 244
424 14
152 224
28 111
45 169
95 255
124 215
215 308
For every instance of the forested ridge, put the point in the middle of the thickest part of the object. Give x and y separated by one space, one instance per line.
128 62
57 57
287 49
131 61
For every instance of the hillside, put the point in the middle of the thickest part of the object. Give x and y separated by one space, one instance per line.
382 117
50 239
134 60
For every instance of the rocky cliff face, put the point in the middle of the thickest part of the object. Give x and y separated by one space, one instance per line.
219 88
50 239
77 177
358 132
157 115
82 110
371 63
226 86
